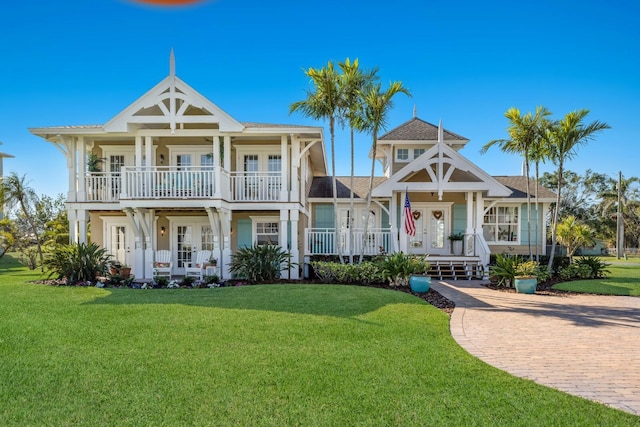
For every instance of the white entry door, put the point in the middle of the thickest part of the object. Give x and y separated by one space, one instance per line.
189 237
119 242
432 228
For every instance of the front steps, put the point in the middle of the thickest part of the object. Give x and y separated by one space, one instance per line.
456 267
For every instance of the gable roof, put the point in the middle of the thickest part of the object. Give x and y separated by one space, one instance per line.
419 130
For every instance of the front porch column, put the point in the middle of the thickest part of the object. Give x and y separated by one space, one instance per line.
82 161
393 222
72 216
284 237
227 153
225 224
294 215
217 173
149 160
149 236
295 164
83 218
284 154
138 151
71 153
479 212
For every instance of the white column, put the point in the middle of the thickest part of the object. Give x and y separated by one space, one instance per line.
303 178
217 166
284 236
225 224
284 153
479 212
82 218
72 166
227 153
294 215
82 160
148 152
295 165
72 216
138 151
470 218
393 220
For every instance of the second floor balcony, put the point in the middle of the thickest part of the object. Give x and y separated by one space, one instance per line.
173 182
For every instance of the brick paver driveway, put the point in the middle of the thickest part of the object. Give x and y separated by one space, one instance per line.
585 345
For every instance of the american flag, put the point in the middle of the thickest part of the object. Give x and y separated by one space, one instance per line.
409 224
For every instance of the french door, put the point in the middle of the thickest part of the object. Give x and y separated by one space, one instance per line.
189 237
432 228
119 242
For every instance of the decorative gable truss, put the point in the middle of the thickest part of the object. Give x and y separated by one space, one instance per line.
441 169
170 104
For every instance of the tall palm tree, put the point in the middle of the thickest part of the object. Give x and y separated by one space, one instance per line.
572 234
353 82
539 154
563 138
377 104
16 191
524 132
626 196
324 102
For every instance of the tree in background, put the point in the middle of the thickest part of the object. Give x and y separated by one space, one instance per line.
525 134
563 138
17 193
572 235
377 104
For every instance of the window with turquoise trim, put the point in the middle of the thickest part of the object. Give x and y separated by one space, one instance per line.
501 225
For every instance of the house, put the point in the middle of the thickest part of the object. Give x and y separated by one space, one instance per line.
178 173
2 157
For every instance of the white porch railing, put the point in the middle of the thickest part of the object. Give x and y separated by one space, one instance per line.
321 241
102 186
158 182
255 186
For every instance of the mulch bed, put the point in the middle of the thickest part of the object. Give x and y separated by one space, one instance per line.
542 288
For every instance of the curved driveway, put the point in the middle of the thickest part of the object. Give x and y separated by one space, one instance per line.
585 345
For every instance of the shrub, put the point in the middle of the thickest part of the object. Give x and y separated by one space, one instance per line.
370 273
187 281
504 269
259 263
330 272
397 267
161 281
77 262
598 267
324 270
575 271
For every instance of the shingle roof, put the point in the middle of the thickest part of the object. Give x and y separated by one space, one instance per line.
322 186
271 125
419 130
518 184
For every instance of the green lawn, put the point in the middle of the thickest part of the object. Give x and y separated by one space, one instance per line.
254 355
623 280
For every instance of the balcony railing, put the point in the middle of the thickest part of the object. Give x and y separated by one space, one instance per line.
322 241
192 182
256 186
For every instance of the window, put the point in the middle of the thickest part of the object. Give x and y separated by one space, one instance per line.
402 154
501 224
267 233
417 152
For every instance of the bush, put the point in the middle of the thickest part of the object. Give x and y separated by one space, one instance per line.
397 267
161 281
78 262
330 272
575 271
504 269
259 263
598 267
324 270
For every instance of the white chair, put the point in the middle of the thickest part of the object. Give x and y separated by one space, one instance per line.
162 265
196 268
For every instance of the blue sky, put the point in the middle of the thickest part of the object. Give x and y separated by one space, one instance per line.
81 62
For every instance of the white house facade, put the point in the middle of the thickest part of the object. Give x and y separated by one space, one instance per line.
177 173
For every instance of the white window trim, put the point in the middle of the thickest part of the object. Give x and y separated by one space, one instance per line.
260 219
518 225
263 156
399 160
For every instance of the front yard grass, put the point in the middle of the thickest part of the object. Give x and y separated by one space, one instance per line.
623 280
252 355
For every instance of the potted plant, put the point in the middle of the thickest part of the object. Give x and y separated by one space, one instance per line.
456 242
401 269
526 278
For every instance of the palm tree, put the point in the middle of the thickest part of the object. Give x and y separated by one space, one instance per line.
524 132
563 138
624 194
539 154
353 82
377 104
572 234
324 102
16 191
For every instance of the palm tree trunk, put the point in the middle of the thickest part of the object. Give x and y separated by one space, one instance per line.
554 228
351 220
373 167
336 214
538 218
526 168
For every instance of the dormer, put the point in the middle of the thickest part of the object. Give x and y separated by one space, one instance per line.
410 140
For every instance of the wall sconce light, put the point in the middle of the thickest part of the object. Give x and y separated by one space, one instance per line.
162 231
161 159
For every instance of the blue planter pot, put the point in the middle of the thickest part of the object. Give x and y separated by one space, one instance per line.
526 285
419 284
